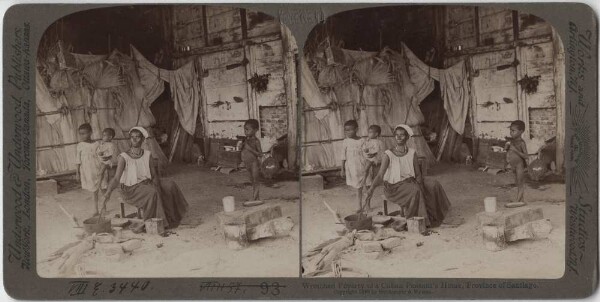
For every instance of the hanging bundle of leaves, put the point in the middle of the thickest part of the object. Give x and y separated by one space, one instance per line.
529 84
372 71
334 75
259 82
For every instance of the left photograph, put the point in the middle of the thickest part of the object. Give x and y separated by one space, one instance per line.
166 144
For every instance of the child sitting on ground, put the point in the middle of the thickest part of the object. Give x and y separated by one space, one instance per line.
517 156
251 154
354 164
88 164
373 149
107 152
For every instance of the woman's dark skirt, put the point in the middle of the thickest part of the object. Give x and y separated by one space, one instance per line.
433 204
170 205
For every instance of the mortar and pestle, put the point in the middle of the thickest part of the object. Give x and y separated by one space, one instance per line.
97 224
358 222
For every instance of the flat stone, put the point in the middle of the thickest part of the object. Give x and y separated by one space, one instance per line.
365 235
46 187
372 255
510 218
312 183
386 233
369 246
109 249
131 245
534 230
391 243
251 217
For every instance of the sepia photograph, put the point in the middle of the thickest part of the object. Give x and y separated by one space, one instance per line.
432 144
166 144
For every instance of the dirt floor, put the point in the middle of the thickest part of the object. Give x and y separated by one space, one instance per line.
450 252
194 249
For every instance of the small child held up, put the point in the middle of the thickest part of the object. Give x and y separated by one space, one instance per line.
354 164
251 154
107 152
88 164
372 151
517 156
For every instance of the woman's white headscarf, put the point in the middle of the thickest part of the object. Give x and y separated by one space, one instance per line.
141 130
405 127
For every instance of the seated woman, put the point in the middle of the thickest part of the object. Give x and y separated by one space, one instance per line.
141 186
404 185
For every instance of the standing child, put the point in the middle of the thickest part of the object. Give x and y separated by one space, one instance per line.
251 154
372 151
87 163
517 156
354 164
107 152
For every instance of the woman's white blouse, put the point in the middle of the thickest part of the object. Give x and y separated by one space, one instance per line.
136 169
400 168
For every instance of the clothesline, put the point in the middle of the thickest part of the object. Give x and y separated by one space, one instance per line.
72 109
47 147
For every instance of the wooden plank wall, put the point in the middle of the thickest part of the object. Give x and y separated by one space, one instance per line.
233 45
502 47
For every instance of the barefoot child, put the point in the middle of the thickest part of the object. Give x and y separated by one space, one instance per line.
516 156
107 152
372 151
251 154
354 164
87 163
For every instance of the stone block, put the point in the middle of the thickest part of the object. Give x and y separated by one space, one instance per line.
46 187
131 245
416 225
251 217
365 235
312 183
391 243
109 249
273 228
372 255
369 246
510 218
538 229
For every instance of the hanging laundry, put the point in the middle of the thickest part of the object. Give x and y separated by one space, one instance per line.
186 95
184 83
48 130
454 86
311 92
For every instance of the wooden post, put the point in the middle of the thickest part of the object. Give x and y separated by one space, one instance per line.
290 50
122 210
385 208
493 237
559 91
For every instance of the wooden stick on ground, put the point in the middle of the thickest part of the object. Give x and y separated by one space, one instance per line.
72 218
336 215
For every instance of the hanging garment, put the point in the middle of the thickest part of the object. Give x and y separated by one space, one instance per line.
185 88
454 86
418 76
186 95
311 92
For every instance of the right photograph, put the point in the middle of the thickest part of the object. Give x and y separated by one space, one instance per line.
433 144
